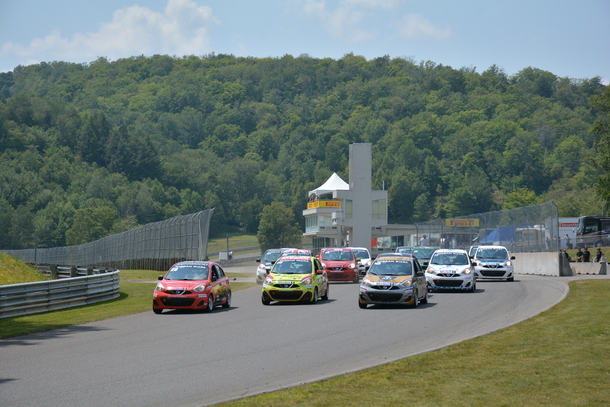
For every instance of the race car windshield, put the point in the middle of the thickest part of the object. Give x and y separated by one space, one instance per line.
449 259
492 254
187 273
337 255
391 268
292 267
423 253
272 256
362 254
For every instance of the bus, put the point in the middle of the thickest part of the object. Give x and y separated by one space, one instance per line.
593 231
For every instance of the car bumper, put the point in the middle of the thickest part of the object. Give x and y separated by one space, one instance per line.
295 293
440 282
195 301
342 275
493 273
386 295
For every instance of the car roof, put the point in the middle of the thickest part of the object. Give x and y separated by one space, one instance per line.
193 263
296 257
440 251
395 257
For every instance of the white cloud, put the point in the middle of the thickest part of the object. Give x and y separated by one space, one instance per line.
416 26
347 19
350 18
181 29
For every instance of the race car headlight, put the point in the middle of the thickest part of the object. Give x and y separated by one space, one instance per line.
306 280
430 270
366 282
261 266
200 288
268 279
159 287
323 265
508 264
466 271
368 263
406 283
352 265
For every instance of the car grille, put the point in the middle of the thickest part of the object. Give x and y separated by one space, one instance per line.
492 273
492 266
339 268
178 302
448 283
384 296
385 287
285 295
177 292
290 285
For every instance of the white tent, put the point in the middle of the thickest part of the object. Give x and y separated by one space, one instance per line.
334 183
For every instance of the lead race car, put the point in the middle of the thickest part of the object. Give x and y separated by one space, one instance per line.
295 278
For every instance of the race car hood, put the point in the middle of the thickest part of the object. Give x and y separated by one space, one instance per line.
182 284
288 277
387 280
492 261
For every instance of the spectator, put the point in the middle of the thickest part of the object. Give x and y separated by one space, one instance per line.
424 241
599 255
586 256
568 244
579 255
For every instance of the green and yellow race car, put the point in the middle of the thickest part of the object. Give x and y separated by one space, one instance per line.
294 279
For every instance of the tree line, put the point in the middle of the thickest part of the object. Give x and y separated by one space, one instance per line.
88 150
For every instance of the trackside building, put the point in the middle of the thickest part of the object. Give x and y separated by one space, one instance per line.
343 214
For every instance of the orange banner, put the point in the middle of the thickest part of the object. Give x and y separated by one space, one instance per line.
462 223
324 204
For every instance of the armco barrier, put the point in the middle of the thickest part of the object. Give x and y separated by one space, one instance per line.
43 296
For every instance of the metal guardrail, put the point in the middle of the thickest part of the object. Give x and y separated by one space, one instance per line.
66 292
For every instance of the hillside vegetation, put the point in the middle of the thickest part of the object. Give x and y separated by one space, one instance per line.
14 271
88 150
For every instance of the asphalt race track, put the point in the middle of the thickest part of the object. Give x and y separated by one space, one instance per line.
188 359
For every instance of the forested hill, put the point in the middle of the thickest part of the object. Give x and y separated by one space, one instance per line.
92 149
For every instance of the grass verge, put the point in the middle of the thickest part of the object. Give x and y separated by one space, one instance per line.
135 296
558 358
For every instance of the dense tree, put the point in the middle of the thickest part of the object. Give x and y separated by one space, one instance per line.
161 136
278 227
601 127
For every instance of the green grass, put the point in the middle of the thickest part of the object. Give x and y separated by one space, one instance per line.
558 358
235 242
135 296
15 271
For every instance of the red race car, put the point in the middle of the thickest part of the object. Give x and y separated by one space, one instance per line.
340 264
194 285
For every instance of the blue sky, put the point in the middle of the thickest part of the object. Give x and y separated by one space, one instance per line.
567 38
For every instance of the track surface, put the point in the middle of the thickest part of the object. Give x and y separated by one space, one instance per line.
187 359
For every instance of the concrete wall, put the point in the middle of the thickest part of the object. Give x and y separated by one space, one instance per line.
554 264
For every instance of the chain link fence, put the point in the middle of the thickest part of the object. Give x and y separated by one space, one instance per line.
531 228
154 246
